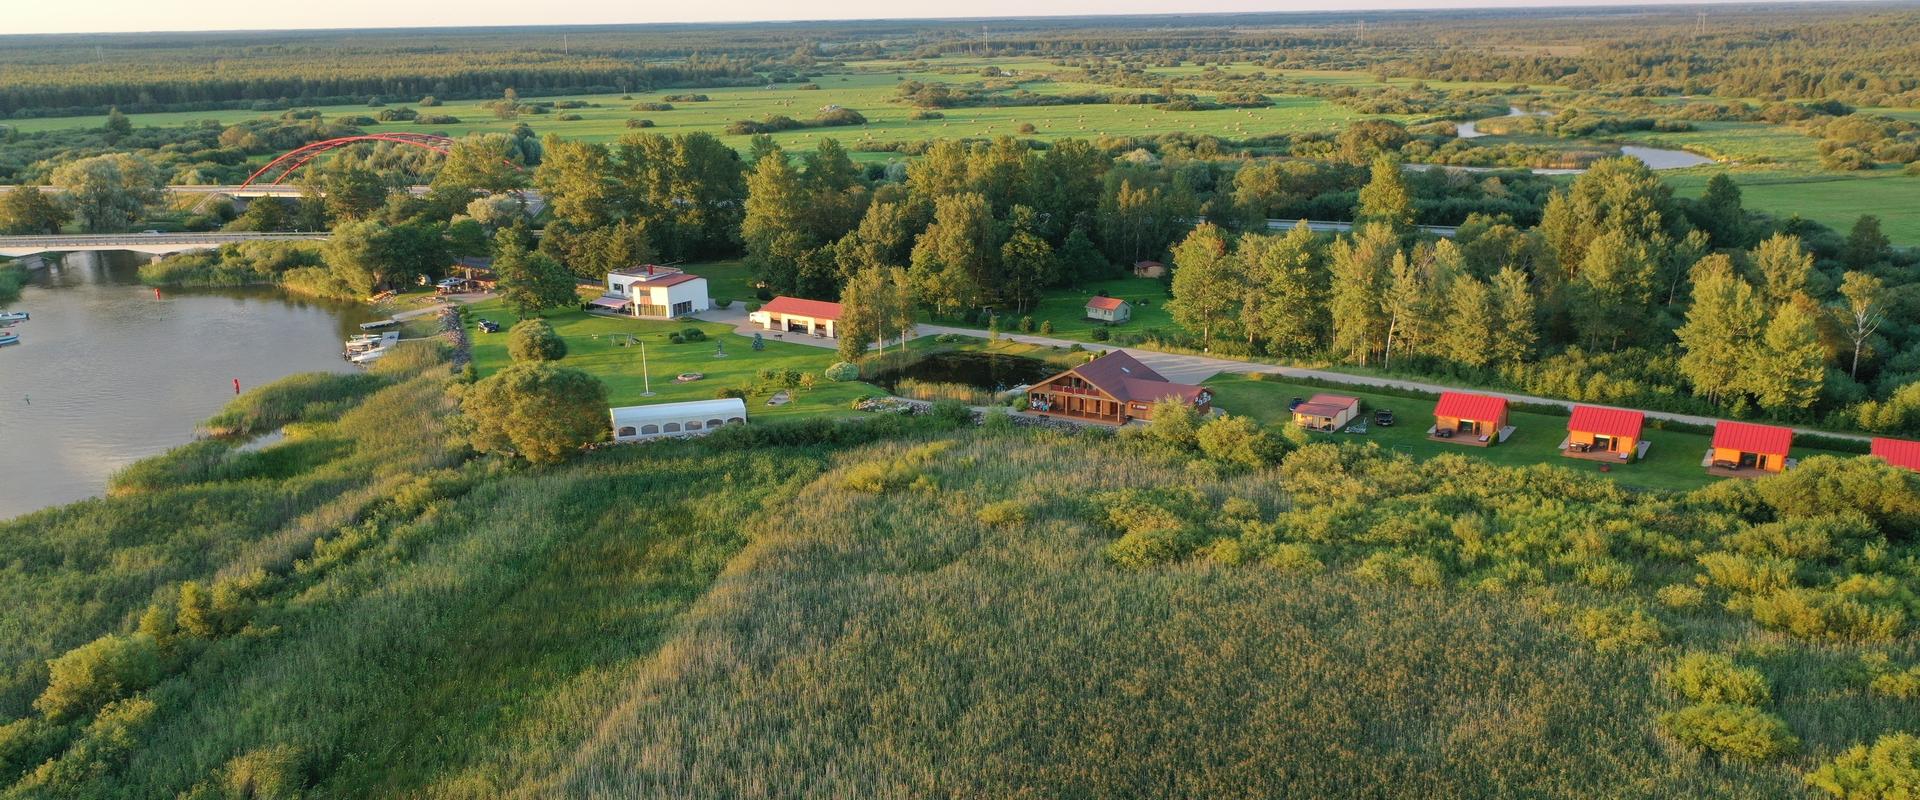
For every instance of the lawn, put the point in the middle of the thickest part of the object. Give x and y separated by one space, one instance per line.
1834 199
726 280
1673 461
597 344
1067 309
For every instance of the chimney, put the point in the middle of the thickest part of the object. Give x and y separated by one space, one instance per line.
649 270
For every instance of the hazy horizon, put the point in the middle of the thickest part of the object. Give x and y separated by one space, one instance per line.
156 16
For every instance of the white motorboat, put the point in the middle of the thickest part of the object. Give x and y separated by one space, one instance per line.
9 338
13 316
367 357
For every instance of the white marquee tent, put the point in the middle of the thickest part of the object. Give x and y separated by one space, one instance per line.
692 418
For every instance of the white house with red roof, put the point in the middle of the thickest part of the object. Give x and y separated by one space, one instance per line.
650 290
793 315
1109 309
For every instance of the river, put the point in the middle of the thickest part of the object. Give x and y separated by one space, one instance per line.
106 374
1653 157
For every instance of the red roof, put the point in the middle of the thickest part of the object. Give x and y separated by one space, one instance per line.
818 309
670 279
1747 437
1606 421
1477 407
1106 303
1898 452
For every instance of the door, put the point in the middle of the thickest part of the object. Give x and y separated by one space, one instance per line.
1749 460
1603 443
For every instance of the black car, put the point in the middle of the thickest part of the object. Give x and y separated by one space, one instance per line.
1383 418
1295 403
489 326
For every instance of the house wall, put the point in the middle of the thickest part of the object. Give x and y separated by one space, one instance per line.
1768 463
1116 315
1489 427
1338 420
1621 444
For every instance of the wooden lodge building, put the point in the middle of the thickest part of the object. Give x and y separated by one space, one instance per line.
1746 450
1473 419
1113 389
1604 434
1326 412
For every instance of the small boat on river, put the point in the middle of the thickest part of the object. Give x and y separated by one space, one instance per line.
9 338
13 316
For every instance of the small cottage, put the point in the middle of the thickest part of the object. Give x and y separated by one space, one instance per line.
1326 412
793 315
1898 452
1743 449
1109 309
1475 419
1611 434
1113 389
1149 269
693 418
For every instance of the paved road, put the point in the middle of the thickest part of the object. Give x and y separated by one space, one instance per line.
1193 369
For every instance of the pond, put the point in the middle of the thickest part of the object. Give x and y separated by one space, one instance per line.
107 373
990 371
1653 157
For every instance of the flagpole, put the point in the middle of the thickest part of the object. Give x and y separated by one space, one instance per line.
646 379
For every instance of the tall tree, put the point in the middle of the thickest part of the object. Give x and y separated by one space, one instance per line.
1784 268
1613 291
109 192
1026 260
1359 272
955 261
1473 323
1862 312
31 210
1720 214
1866 244
776 229
574 178
875 306
1718 338
1284 300
1516 331
531 282
1792 362
1386 200
1207 283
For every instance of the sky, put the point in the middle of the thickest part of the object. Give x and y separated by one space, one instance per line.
89 16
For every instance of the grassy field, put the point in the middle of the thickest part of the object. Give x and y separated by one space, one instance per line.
597 345
1067 309
1672 462
1743 142
870 93
726 280
1834 199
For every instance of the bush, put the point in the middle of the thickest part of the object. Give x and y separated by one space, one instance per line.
569 117
446 119
267 773
539 411
1145 549
1028 128
98 672
1240 441
1100 334
1004 514
1619 628
639 123
1888 770
694 335
534 340
1046 326
1175 423
1714 678
1818 614
722 303
1680 595
1739 731
731 392
842 371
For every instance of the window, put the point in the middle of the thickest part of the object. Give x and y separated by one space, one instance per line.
627 431
714 423
671 427
683 308
649 430
693 425
735 420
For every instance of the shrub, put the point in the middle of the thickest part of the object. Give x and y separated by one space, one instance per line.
842 371
569 117
537 410
1616 628
1004 514
534 340
1028 128
1412 569
676 338
1714 678
1100 334
639 123
653 107
98 672
1145 549
1026 324
1175 423
731 392
1294 557
446 119
1816 614
1680 595
722 303
1887 770
1046 326
952 413
267 773
1238 440
1739 731
694 335
26 743
1904 684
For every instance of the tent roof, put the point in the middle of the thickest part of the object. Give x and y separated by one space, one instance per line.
1747 437
667 412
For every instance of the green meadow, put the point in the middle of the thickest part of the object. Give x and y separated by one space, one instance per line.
1834 199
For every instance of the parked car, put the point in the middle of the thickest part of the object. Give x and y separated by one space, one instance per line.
489 326
1383 418
1295 403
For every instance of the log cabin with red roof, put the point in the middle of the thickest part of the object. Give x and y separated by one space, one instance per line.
1746 450
1898 452
1113 389
1604 434
1472 419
